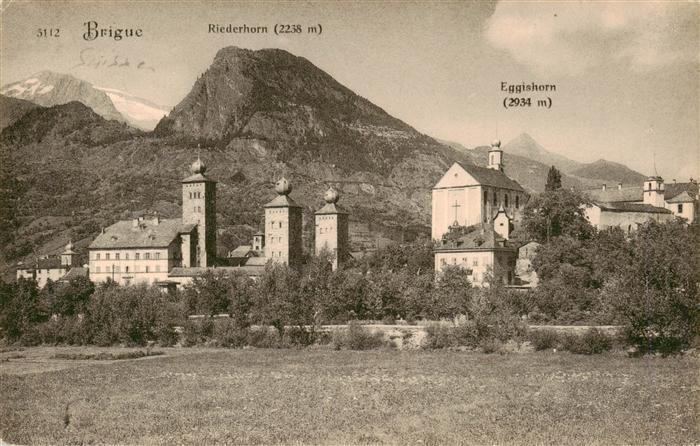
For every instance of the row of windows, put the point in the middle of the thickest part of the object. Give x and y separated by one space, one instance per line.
465 261
275 239
137 256
272 224
506 199
195 195
117 269
323 230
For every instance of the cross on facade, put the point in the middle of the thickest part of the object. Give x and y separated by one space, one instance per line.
456 206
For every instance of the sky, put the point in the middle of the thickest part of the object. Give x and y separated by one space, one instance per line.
627 74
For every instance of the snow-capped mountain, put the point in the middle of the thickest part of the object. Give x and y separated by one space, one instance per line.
139 112
48 88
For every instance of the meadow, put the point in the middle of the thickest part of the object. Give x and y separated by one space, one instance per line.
322 396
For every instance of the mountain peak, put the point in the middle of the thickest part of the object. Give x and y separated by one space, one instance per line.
49 88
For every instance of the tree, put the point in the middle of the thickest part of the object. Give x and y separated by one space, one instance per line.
656 290
21 308
556 213
553 179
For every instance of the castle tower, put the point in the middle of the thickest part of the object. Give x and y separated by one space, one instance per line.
283 243
496 156
68 257
332 229
654 191
199 207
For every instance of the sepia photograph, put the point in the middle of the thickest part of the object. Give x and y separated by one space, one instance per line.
349 223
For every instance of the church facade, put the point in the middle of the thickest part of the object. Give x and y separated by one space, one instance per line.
472 195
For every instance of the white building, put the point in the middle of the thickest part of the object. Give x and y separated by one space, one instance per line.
469 195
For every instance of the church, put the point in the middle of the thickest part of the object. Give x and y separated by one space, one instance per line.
172 252
474 210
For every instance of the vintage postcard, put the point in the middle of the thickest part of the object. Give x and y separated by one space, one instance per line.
357 222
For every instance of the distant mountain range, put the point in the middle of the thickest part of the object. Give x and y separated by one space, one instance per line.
528 162
66 171
48 88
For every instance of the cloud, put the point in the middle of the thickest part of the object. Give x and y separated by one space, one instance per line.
557 38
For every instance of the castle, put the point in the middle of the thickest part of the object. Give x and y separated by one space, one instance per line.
474 210
628 207
171 252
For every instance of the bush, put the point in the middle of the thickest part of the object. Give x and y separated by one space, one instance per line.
298 336
491 345
591 342
264 337
440 335
197 332
357 337
226 333
544 339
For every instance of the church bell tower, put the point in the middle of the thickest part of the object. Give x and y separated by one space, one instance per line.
496 156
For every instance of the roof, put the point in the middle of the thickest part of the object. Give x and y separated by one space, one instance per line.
491 177
147 234
613 194
674 189
256 261
241 251
282 201
331 208
198 271
476 239
632 207
683 197
52 262
198 178
76 271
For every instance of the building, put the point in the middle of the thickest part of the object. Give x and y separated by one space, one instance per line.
141 250
483 251
331 229
628 207
283 227
51 267
145 250
469 195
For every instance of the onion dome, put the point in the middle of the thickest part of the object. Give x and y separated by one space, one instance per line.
496 143
331 196
283 187
198 167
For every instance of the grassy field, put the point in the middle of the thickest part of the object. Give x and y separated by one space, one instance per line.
256 396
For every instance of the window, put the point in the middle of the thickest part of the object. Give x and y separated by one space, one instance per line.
146 255
107 256
97 256
495 199
146 268
126 256
454 260
157 256
137 256
680 208
157 268
116 256
506 200
517 202
199 209
116 268
126 269
280 224
97 269
475 262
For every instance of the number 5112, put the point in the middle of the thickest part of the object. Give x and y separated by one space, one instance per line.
48 32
